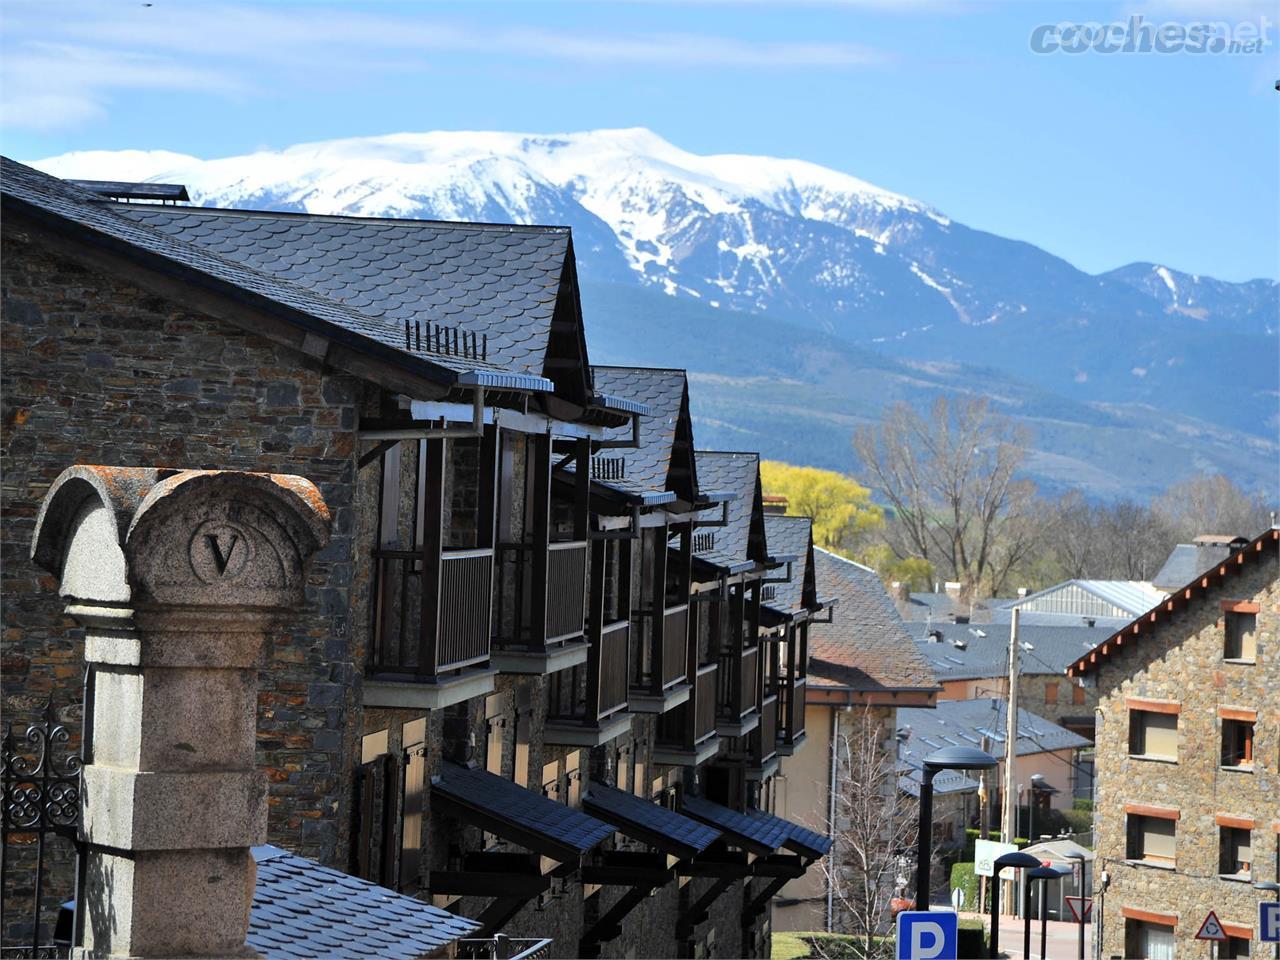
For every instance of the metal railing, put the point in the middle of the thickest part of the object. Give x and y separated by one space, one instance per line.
737 683
566 589
614 652
400 643
765 738
675 644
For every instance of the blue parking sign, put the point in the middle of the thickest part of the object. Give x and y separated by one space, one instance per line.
926 935
1269 922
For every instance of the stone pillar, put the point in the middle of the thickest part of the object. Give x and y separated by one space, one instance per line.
178 578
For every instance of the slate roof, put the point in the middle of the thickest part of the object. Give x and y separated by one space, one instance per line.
928 606
303 910
964 723
985 651
737 473
646 467
518 814
762 831
649 822
790 536
303 297
1188 561
495 280
866 647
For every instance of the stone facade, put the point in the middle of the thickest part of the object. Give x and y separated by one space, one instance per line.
1177 663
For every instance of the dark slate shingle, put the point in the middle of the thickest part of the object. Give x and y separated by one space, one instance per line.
520 807
303 910
789 536
736 473
626 810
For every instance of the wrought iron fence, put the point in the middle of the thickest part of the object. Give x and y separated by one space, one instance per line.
40 812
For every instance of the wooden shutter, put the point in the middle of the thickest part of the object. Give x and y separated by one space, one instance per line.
415 769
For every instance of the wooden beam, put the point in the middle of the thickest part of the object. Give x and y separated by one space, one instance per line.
476 884
699 911
609 926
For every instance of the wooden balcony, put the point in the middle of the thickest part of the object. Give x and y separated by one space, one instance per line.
687 735
540 607
402 645
791 700
737 710
660 666
764 739
675 645
587 704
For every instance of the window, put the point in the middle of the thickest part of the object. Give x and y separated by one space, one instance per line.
1077 696
1151 940
1153 734
1151 839
1237 743
1235 850
1233 947
1241 641
1050 693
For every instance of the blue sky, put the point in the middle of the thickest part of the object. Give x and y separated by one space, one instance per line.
1101 159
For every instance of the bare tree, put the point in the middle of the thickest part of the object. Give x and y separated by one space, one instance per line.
874 833
951 478
1212 504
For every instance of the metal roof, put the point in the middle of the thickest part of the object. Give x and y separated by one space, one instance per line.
756 829
1132 596
303 910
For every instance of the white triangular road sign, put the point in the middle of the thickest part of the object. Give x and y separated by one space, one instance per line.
1211 929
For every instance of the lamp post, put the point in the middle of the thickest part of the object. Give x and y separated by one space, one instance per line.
1044 875
1019 861
1079 858
1267 884
948 758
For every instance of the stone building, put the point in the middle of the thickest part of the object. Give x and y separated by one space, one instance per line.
533 682
1187 810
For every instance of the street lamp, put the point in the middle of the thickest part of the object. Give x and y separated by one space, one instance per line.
948 758
1267 884
1019 861
1080 858
1036 785
1044 875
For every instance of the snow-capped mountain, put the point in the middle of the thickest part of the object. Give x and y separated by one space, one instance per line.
793 241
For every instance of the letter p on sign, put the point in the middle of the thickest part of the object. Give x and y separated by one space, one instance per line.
924 935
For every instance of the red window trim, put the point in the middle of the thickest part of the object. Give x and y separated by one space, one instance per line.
1148 916
1235 930
1230 820
1239 606
1148 810
1153 706
1238 713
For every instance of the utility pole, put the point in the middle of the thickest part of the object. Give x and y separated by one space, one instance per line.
1009 824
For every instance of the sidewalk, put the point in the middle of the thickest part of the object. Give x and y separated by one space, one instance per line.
1061 940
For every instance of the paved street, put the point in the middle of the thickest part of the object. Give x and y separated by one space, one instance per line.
1062 938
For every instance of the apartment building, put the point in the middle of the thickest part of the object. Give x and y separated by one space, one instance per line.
1187 802
536 682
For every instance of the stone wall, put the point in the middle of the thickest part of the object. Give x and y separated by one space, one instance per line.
1180 659
97 371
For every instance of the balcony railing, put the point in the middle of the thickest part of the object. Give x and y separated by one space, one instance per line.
566 589
614 654
737 683
400 644
704 703
675 644
791 709
518 595
764 740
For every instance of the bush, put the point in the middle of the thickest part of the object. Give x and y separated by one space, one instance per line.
1082 803
963 878
972 941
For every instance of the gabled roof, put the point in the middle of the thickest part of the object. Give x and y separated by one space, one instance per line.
303 910
1126 596
967 651
295 296
1264 547
741 543
649 822
516 814
1188 560
964 723
498 281
866 647
759 832
792 536
660 469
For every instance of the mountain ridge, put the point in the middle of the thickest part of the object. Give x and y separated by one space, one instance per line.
814 248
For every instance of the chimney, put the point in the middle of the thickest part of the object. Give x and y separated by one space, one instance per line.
953 589
901 591
774 504
177 578
1022 593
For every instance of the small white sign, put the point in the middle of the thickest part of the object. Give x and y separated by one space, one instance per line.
987 852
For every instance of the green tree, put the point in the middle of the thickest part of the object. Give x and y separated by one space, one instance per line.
841 507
